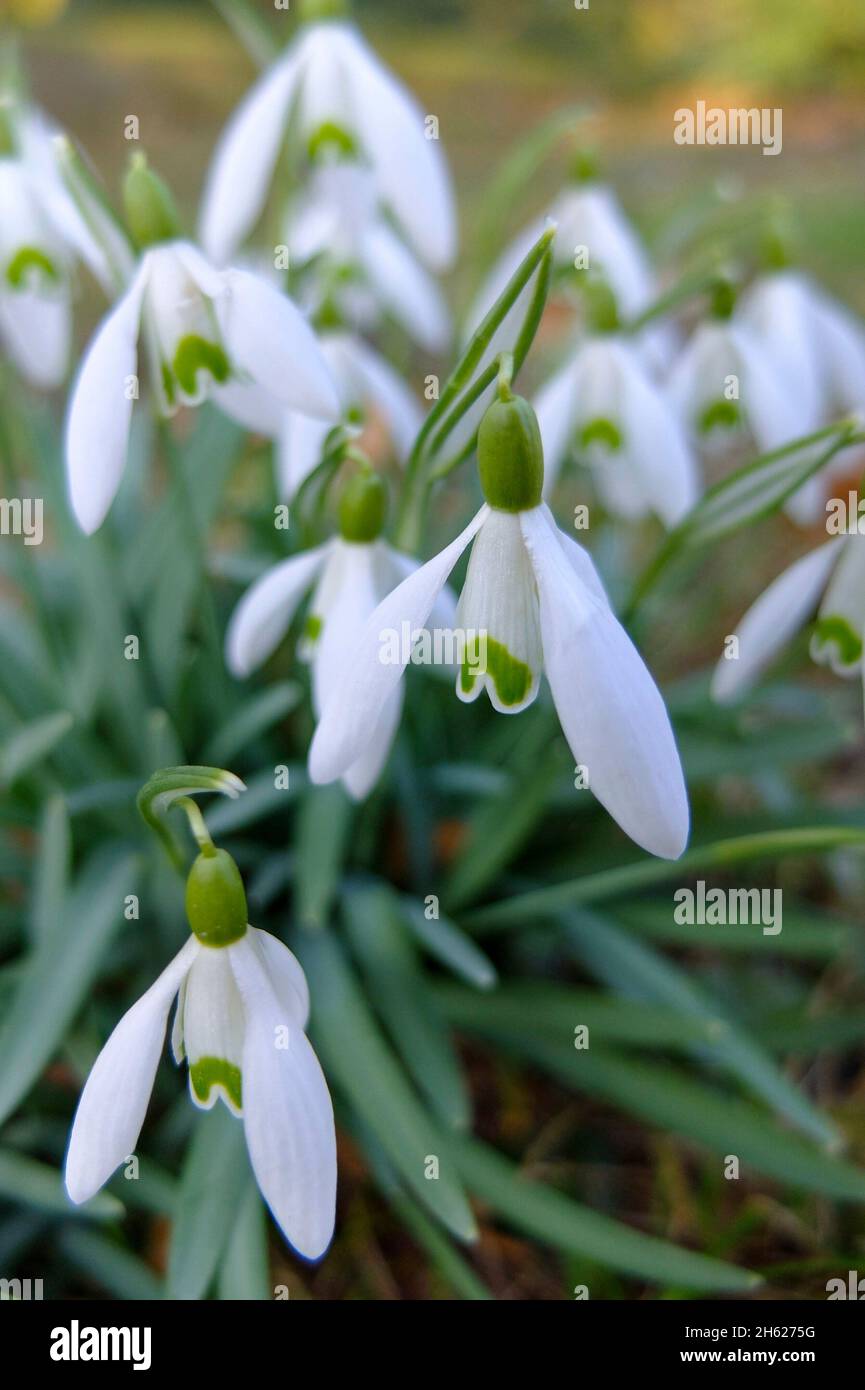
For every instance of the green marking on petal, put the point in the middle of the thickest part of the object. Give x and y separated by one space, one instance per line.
30 259
208 1072
312 627
837 631
194 355
168 384
330 136
721 414
511 677
602 432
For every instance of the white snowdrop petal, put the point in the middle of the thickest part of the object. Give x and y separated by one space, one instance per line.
610 709
115 1097
287 1112
498 617
213 1029
837 638
404 287
265 612
779 612
285 973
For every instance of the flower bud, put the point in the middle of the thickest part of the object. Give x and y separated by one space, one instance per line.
148 206
215 899
363 507
510 455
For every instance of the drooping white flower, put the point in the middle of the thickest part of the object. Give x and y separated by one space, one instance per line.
42 238
603 404
366 270
242 1009
221 333
351 574
724 385
829 581
535 595
329 77
819 347
369 390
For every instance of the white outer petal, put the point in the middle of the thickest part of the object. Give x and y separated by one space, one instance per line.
411 171
243 164
366 375
286 974
270 341
556 406
114 1100
772 620
287 1112
354 706
404 288
100 409
655 442
36 329
266 610
612 713
299 447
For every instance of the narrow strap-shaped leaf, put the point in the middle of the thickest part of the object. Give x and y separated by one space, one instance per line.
448 945
52 869
214 1177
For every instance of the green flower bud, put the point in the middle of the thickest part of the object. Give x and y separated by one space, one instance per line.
510 455
215 899
148 206
363 507
722 299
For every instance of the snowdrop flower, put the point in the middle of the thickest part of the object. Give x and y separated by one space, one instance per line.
535 594
242 1008
724 383
819 348
830 580
328 78
351 574
42 238
368 388
221 333
367 270
593 232
603 402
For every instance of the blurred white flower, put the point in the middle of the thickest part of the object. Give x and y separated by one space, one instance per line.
351 578
535 595
242 1009
329 77
819 347
835 571
368 389
221 333
603 404
367 269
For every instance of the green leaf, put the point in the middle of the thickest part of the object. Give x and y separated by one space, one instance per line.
526 908
397 987
213 1181
52 870
36 1185
60 973
448 945
806 935
547 1215
255 716
324 823
243 1273
108 1265
31 744
357 1058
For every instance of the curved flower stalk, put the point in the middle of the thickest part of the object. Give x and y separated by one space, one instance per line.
352 574
329 79
242 1010
534 595
829 580
227 334
590 221
361 267
369 390
42 238
820 349
725 385
603 404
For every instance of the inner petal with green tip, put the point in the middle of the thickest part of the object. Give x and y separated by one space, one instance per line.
212 1030
31 268
498 619
720 415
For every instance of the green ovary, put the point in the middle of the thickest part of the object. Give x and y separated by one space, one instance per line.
837 632
312 627
511 677
196 355
721 414
29 263
602 432
208 1072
